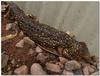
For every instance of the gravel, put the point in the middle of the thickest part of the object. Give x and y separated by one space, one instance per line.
53 67
36 69
22 70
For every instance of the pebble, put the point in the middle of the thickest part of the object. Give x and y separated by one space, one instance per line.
53 67
3 7
72 65
95 73
21 34
41 57
20 44
88 69
10 72
94 67
9 26
78 72
17 65
8 68
65 72
36 69
4 59
29 41
85 70
13 62
97 66
38 49
60 64
31 51
51 56
63 60
22 70
18 60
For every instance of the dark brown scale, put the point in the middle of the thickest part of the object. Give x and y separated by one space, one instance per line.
48 36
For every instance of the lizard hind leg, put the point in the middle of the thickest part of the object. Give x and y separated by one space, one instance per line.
65 53
60 50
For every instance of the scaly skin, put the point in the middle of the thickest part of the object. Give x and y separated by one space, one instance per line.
45 35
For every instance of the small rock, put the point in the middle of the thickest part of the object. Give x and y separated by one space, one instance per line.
8 68
4 60
21 34
63 60
17 65
90 69
51 56
23 70
18 60
10 72
60 64
53 67
95 73
41 57
85 70
72 65
29 41
3 7
38 49
9 26
31 51
20 44
94 67
65 72
4 73
13 62
78 72
97 66
36 69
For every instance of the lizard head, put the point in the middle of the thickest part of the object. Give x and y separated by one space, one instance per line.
79 52
83 50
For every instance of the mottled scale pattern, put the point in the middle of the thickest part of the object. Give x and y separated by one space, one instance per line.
45 35
41 33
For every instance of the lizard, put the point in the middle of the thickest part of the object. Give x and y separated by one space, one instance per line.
45 35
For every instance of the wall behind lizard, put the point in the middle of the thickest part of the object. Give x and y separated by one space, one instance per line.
80 18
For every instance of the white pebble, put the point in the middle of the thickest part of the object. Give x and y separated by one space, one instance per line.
9 26
23 70
36 69
29 41
38 49
72 65
65 72
20 44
